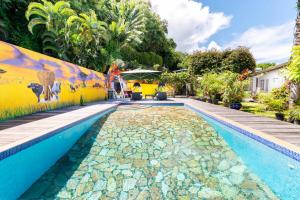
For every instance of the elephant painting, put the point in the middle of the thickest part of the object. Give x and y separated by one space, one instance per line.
46 79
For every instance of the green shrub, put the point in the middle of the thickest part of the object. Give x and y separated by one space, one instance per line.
264 98
176 80
281 93
278 105
211 85
294 114
234 88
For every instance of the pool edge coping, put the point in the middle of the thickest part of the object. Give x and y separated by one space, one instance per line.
24 143
277 144
272 142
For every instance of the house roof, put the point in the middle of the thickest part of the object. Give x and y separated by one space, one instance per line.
276 67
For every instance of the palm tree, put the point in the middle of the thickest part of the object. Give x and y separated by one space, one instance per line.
87 35
297 26
293 68
53 17
126 26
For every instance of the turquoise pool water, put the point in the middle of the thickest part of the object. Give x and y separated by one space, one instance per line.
167 153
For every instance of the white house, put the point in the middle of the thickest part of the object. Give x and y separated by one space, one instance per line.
268 79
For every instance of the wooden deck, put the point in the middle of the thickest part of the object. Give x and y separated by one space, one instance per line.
282 130
21 131
33 117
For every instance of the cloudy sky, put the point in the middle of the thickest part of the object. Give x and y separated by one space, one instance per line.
265 26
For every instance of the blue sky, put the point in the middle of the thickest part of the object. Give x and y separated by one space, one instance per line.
251 13
265 26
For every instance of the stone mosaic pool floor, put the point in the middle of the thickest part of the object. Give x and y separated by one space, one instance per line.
150 153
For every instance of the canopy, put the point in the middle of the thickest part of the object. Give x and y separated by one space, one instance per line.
140 74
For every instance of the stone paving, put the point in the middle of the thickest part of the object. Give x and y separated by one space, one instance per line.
150 153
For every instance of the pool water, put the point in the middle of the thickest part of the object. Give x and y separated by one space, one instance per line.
150 153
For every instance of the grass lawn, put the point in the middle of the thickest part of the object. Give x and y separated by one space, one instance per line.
260 109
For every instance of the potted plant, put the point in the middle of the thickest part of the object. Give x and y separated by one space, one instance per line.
234 91
161 93
277 105
294 116
214 100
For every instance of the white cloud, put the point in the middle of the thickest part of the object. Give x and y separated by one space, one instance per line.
213 45
189 22
268 44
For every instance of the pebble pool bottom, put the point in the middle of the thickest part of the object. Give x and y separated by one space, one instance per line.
150 153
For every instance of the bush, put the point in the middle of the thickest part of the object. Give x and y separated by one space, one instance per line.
238 60
234 88
176 80
281 93
235 60
211 85
264 98
294 114
278 105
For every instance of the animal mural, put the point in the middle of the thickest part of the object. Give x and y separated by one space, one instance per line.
30 82
37 89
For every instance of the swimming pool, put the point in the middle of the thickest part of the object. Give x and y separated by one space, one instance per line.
167 153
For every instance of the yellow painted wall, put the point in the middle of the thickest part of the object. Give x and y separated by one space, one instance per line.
148 88
22 71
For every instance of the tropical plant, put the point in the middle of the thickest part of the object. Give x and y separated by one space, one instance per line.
126 26
177 80
294 65
234 88
87 37
294 114
281 93
211 85
278 105
53 17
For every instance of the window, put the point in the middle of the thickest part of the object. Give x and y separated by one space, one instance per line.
267 85
262 85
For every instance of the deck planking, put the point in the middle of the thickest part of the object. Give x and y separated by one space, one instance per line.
282 130
33 117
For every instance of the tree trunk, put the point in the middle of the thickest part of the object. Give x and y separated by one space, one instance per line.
295 89
297 27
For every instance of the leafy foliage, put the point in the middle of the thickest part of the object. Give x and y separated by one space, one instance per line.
264 66
277 100
202 62
294 65
234 88
89 33
294 114
211 85
236 60
176 80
